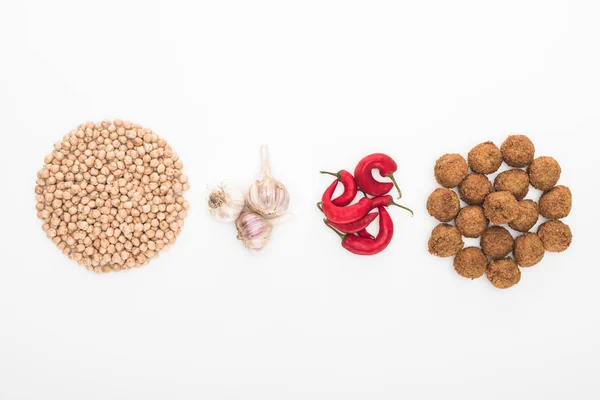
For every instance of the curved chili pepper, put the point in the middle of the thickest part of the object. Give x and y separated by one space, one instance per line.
349 214
365 234
362 233
350 188
363 174
368 247
356 226
344 215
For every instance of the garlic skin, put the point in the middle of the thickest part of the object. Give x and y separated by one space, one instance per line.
267 196
225 203
253 230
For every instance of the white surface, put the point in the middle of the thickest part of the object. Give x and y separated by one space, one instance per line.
323 83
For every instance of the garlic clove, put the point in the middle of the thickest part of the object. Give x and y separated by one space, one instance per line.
267 196
225 203
253 230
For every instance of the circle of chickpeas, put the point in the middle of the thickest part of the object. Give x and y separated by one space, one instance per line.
111 195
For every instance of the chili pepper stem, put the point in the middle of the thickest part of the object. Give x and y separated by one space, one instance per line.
391 176
337 175
320 206
393 203
333 229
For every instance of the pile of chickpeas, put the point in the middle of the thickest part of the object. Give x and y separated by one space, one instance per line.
111 195
502 203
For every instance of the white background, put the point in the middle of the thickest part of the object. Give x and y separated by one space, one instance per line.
323 83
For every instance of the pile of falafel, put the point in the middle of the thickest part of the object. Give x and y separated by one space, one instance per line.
501 203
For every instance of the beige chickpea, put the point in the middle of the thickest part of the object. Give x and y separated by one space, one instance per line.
130 263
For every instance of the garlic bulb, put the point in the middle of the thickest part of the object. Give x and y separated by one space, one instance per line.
225 203
254 230
267 196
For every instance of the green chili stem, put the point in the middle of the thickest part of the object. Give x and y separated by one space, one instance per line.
393 203
333 229
391 176
320 206
330 173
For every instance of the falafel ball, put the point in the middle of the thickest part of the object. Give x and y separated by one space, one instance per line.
555 236
497 242
450 170
471 221
474 189
501 207
529 250
515 181
445 241
556 203
485 158
518 151
470 262
527 217
544 173
443 204
503 273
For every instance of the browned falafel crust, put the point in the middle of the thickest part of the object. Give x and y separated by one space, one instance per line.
503 274
450 170
555 235
445 241
474 189
529 250
485 158
497 242
443 204
471 221
501 207
544 173
527 218
470 262
515 181
518 151
556 203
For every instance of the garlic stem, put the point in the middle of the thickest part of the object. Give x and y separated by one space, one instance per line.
264 157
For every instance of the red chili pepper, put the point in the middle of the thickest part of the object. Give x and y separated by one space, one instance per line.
363 174
349 214
350 188
356 226
344 215
385 201
368 247
365 234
